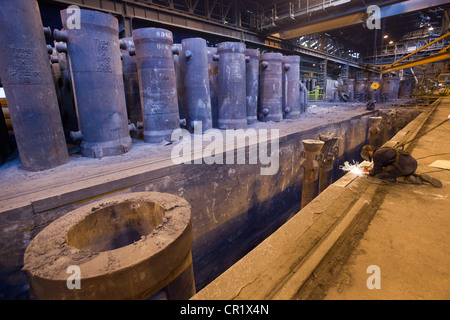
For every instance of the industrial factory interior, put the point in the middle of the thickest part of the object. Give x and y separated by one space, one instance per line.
230 151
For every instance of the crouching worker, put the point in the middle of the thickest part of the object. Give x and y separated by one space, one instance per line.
391 164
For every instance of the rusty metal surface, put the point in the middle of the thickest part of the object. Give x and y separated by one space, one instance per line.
252 84
194 63
98 83
29 87
291 87
270 87
157 83
232 86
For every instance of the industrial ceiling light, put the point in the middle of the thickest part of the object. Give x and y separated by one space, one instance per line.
391 42
430 28
385 36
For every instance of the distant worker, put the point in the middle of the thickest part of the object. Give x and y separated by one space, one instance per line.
370 105
391 163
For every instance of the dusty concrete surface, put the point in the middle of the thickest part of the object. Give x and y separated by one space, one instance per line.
407 239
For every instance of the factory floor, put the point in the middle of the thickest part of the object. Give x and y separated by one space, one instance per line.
404 253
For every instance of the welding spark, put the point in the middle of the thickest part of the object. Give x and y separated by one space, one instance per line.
353 168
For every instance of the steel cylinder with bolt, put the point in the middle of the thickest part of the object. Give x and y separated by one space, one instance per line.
94 53
291 87
252 86
179 75
194 61
349 88
373 89
157 83
213 74
232 110
390 87
270 87
29 87
131 82
303 98
64 88
361 89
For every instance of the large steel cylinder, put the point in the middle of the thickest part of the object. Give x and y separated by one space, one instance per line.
94 53
232 86
291 87
405 89
179 75
64 86
252 85
157 83
349 88
213 73
125 247
390 87
361 89
303 98
29 87
374 94
194 61
131 83
270 87
5 143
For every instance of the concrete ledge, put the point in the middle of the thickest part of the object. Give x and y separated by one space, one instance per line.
281 264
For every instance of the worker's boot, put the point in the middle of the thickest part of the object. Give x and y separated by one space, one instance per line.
410 179
433 181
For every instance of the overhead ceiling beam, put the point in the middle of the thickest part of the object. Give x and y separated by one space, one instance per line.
359 17
444 54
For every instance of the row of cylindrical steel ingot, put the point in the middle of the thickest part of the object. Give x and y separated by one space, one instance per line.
389 88
97 92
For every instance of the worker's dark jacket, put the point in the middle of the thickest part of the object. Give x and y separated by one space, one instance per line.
391 163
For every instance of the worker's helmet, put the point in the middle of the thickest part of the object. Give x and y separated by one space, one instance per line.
365 152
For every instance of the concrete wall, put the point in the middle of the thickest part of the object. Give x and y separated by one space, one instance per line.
234 207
